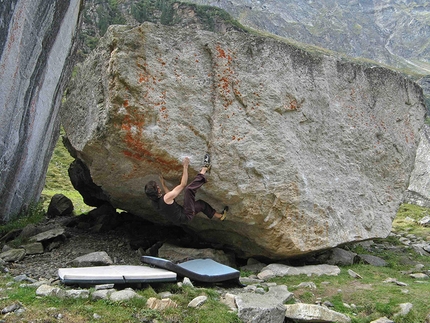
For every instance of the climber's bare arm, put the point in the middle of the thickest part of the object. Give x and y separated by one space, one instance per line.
163 185
170 197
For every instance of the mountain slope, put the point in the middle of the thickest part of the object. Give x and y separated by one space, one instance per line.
393 32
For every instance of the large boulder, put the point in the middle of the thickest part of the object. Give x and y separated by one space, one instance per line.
36 57
310 151
418 191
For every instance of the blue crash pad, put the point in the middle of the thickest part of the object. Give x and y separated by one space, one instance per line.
203 270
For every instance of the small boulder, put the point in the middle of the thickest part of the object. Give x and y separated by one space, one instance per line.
13 255
281 270
33 248
198 301
48 235
229 300
425 221
60 205
269 307
405 308
353 274
338 257
314 313
372 260
123 295
160 304
99 258
77 293
102 294
11 308
48 290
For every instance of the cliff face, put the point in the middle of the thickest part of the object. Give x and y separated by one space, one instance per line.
394 32
309 151
36 40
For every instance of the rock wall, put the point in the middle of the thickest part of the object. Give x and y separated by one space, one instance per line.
309 151
36 40
419 187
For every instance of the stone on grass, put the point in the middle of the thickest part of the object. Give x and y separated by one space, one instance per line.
102 294
419 276
23 277
372 260
229 299
425 221
48 290
76 293
405 308
11 308
383 320
273 270
198 301
187 282
266 274
160 304
353 274
269 307
314 313
123 295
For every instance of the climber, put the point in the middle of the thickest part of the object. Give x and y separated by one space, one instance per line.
166 205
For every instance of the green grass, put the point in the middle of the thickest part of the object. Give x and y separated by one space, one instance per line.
34 214
415 212
82 310
58 181
363 300
371 296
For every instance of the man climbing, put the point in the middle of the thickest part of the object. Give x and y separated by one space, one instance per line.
166 205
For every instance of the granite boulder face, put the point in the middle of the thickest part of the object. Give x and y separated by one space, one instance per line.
36 51
310 151
419 186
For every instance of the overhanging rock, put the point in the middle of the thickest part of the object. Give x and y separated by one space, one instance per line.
309 151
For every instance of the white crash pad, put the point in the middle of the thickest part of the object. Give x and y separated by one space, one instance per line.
115 275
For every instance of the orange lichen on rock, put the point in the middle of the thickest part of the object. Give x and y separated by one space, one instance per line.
132 129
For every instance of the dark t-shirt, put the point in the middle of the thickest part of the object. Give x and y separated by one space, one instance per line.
172 212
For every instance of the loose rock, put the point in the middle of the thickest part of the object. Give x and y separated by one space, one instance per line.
13 255
273 270
160 304
123 295
314 313
100 258
198 301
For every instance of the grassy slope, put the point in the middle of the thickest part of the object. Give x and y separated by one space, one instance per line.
58 181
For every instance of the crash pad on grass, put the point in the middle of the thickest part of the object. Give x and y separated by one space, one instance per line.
203 270
115 275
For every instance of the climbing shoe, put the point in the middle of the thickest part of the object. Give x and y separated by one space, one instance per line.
207 160
224 213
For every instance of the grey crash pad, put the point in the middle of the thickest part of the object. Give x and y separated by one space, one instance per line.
115 275
203 270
